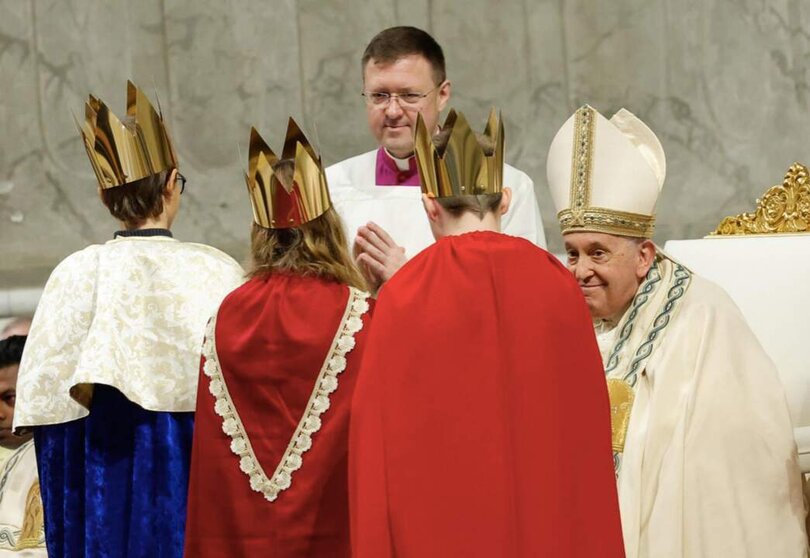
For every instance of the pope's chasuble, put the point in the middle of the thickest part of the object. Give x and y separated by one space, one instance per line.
704 450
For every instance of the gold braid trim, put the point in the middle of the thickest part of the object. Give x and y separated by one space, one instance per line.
582 162
32 534
610 221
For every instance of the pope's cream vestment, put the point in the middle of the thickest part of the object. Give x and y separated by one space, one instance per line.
709 466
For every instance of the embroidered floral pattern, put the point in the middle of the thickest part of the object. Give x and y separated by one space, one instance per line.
124 314
311 421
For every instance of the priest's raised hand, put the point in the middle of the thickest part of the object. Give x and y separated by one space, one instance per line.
377 255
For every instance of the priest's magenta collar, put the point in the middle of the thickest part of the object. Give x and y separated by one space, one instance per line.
388 174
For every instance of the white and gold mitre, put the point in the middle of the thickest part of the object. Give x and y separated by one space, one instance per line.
461 167
124 151
277 205
606 175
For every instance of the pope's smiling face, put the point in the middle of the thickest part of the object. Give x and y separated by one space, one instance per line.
609 269
392 123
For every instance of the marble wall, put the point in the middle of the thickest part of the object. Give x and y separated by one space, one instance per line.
725 84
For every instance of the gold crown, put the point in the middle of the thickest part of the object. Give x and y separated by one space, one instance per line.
461 167
281 206
123 152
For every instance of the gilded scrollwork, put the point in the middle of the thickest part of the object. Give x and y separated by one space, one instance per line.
785 208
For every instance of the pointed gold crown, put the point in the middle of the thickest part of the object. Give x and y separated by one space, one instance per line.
461 167
123 152
283 206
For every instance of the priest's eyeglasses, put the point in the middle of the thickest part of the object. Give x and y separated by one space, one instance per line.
182 180
383 98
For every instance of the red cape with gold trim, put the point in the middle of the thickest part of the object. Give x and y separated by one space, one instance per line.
480 423
272 336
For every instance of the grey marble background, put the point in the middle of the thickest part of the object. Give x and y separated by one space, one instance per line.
724 83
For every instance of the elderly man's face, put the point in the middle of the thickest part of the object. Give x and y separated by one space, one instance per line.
392 123
609 269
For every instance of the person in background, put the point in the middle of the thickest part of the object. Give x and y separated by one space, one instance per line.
19 325
22 526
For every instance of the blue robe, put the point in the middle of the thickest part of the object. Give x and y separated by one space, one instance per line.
114 483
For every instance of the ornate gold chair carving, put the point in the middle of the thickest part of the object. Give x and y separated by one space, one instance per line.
785 208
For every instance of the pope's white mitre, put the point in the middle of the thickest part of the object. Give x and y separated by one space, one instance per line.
606 175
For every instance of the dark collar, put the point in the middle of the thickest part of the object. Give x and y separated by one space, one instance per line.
143 232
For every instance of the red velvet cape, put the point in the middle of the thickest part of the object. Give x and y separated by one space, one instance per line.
272 336
480 423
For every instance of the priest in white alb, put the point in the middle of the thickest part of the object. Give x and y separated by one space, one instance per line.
377 193
704 453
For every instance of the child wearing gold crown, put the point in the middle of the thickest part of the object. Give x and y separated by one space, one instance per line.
480 426
269 468
108 379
